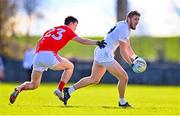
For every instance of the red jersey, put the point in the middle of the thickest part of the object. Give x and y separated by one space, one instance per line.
55 39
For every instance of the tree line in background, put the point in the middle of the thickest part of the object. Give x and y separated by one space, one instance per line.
9 11
9 20
13 44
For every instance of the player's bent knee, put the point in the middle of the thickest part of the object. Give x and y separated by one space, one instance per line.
95 81
125 77
35 85
71 66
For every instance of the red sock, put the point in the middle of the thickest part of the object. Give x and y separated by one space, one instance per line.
61 85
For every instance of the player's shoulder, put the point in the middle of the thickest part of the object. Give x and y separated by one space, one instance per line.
64 27
60 26
122 24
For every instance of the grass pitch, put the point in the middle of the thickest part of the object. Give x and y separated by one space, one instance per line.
99 99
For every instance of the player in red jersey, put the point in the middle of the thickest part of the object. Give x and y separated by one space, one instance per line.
46 56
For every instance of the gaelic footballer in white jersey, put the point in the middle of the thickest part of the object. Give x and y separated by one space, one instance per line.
120 32
104 60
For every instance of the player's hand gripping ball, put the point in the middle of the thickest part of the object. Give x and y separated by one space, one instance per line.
139 65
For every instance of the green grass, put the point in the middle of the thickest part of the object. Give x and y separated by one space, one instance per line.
97 99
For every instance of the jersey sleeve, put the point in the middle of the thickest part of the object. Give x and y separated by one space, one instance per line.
72 35
123 33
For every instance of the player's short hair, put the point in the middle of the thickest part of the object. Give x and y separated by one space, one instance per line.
132 13
70 19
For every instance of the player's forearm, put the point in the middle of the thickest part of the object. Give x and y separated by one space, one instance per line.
88 42
126 56
131 53
85 41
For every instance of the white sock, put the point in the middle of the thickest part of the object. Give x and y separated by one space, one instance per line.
122 101
71 89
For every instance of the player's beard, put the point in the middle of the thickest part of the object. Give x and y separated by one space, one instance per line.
132 27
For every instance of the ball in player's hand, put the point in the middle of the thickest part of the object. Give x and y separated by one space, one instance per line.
139 65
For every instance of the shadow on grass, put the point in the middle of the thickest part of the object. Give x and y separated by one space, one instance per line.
62 106
104 107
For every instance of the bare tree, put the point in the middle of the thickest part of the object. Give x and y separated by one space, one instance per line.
8 10
9 21
121 15
121 9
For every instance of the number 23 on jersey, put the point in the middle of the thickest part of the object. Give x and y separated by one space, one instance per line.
58 36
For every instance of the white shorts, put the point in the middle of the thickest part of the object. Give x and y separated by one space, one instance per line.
44 60
103 56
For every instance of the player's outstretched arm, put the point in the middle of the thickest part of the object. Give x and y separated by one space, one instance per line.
101 44
85 41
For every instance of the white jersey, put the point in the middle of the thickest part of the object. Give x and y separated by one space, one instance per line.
120 32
